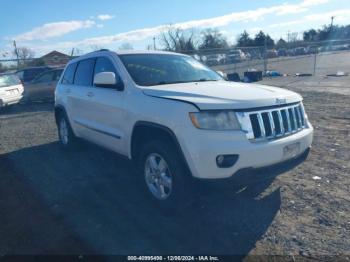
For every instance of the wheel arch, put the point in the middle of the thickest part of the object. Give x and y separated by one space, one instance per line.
144 131
59 109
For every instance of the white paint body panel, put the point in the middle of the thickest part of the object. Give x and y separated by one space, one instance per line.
223 94
11 95
114 113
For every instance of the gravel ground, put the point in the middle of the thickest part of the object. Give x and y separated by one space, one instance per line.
314 217
90 201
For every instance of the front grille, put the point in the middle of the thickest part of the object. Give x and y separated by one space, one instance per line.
272 123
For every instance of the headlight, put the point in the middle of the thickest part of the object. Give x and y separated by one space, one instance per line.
215 120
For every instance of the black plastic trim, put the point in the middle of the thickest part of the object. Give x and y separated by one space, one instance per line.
264 107
98 130
167 130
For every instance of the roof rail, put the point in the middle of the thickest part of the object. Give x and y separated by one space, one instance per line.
104 49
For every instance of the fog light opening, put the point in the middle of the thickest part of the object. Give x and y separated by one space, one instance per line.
225 161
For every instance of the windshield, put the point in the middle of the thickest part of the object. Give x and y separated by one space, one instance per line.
156 69
9 80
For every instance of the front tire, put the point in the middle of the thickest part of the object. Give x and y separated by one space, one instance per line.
166 178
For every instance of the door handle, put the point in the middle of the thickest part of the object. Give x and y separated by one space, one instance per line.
90 94
68 90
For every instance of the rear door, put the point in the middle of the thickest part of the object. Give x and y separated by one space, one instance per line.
42 87
78 99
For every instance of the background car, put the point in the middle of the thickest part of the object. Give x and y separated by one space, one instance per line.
11 89
300 51
255 54
28 74
272 53
311 50
212 60
43 86
235 55
282 52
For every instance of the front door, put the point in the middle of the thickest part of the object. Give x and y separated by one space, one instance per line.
106 111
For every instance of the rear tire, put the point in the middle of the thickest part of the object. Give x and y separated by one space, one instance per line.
167 181
66 136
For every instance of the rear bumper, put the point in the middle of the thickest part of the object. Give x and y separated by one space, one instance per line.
202 149
6 101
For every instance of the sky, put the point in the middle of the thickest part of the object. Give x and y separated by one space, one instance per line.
61 25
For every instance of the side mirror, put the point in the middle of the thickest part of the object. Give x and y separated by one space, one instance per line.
107 80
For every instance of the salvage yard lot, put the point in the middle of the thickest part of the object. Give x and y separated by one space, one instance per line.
325 64
89 201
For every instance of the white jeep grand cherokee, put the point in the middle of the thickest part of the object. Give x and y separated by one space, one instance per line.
177 118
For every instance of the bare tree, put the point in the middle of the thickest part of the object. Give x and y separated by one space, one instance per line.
178 40
293 37
126 46
77 52
2 68
212 39
24 54
95 47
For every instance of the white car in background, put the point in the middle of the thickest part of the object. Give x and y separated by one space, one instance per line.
11 89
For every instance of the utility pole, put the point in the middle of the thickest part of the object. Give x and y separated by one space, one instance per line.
154 43
331 30
332 19
16 52
265 55
331 27
315 61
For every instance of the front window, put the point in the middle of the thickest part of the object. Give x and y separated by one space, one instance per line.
156 69
44 78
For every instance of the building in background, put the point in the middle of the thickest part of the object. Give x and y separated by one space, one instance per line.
55 58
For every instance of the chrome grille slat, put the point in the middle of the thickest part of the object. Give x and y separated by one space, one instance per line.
295 120
281 122
261 125
272 123
288 120
302 114
300 125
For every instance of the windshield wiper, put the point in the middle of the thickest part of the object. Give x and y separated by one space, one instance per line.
161 83
170 83
205 80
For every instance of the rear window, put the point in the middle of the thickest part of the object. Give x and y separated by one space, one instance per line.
68 76
9 80
58 74
84 72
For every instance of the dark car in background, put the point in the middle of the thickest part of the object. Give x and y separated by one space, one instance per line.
28 74
300 51
282 52
43 86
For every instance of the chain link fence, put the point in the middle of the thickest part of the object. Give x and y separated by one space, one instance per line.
303 58
312 58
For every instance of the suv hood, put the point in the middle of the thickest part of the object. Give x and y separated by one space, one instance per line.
224 95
